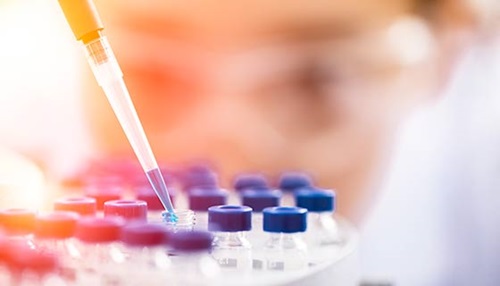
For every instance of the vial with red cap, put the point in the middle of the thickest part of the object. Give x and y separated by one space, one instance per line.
54 233
100 249
155 207
103 193
29 266
148 262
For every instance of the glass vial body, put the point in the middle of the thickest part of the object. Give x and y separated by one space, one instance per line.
231 249
192 256
180 220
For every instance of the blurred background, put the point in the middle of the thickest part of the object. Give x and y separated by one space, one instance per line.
433 220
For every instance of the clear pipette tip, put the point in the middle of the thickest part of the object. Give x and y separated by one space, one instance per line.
158 183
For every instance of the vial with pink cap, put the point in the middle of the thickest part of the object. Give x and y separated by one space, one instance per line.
101 249
129 210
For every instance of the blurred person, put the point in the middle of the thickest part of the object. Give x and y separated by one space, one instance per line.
262 86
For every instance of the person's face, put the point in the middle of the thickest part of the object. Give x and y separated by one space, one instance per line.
265 86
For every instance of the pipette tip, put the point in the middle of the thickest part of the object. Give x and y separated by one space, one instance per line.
156 179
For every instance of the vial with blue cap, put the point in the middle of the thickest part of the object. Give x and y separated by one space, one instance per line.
191 260
231 248
258 201
285 249
289 182
201 199
323 228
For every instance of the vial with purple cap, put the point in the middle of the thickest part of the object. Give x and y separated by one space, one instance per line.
231 248
192 263
200 199
258 201
289 182
250 181
148 262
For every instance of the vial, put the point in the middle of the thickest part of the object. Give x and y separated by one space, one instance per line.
323 229
102 194
54 233
101 250
32 267
231 248
184 220
192 263
18 225
197 176
148 262
258 201
247 181
129 210
285 249
84 206
200 199
289 182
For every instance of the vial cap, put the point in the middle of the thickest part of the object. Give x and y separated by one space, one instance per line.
81 205
102 194
191 241
57 225
144 234
130 210
285 219
23 257
99 229
315 200
198 176
259 200
202 199
245 181
147 194
17 221
291 181
229 218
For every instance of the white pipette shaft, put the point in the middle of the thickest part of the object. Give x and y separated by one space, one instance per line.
110 77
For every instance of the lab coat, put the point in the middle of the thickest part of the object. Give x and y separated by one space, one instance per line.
437 221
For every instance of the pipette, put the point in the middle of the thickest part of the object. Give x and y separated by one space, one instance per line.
87 27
